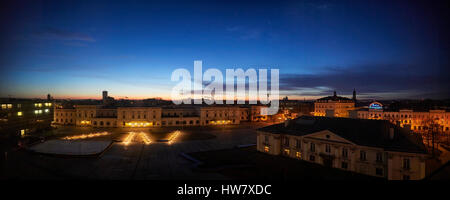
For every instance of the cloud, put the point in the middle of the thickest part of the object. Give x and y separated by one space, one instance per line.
371 80
49 33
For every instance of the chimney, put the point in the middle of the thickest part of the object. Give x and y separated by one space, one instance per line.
391 133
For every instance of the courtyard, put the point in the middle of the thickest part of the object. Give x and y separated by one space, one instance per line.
158 160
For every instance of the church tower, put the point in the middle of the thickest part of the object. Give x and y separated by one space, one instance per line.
354 95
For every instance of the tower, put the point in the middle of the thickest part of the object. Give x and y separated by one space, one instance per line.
105 95
354 94
334 93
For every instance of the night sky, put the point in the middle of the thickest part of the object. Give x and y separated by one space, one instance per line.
76 49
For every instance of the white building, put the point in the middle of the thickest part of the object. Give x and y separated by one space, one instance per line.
371 147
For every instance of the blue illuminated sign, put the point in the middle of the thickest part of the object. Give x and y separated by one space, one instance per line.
376 106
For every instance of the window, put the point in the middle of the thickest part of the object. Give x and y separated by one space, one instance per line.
266 149
379 171
344 165
19 113
379 157
406 163
298 154
327 148
286 141
312 158
266 139
286 152
313 147
298 144
362 155
345 152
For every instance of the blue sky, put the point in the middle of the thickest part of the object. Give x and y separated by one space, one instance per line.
76 49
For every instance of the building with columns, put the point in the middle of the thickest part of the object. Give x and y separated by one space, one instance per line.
108 115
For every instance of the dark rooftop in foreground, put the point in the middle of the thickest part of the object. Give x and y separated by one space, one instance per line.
372 133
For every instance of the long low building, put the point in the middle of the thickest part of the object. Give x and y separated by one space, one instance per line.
104 116
415 120
371 147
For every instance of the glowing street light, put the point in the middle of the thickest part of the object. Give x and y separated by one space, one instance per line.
174 136
145 138
129 138
84 136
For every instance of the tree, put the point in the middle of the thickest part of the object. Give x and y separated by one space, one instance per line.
431 129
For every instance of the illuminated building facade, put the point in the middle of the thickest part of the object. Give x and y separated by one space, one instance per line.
140 116
371 147
416 120
334 106
24 116
101 116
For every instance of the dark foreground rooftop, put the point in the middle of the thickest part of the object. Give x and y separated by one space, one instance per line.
249 164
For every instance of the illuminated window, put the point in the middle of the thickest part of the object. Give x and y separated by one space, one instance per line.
9 105
298 154
22 132
286 152
266 149
3 106
19 113
46 110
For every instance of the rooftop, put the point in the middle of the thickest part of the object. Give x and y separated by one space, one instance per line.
335 98
372 133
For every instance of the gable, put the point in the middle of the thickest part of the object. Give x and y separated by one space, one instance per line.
328 136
